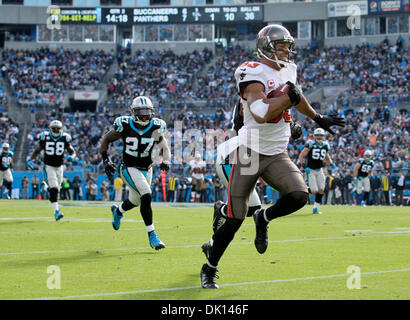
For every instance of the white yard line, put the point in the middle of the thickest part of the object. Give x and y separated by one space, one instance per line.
222 285
198 245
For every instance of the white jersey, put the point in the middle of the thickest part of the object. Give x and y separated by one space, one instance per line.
265 138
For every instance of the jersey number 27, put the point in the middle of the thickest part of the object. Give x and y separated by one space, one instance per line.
131 146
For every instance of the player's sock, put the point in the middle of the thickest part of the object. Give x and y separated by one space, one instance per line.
125 206
145 209
222 237
55 206
251 210
287 204
318 201
150 228
53 198
366 197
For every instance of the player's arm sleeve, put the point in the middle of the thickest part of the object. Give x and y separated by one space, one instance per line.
118 125
166 153
248 73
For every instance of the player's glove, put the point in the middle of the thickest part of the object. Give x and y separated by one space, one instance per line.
295 130
307 170
326 121
294 93
109 167
30 164
333 165
70 158
164 166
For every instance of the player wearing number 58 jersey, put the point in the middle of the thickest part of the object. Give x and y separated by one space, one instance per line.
139 133
361 170
54 143
317 153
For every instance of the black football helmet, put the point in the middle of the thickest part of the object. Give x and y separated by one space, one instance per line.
267 39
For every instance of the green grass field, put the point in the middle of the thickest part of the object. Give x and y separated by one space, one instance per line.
308 255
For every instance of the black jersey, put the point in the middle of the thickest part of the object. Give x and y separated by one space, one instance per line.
5 160
54 148
365 167
317 154
138 143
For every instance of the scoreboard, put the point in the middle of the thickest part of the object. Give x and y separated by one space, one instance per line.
165 15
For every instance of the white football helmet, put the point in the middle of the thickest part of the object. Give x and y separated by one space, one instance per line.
367 154
319 134
142 110
5 147
56 128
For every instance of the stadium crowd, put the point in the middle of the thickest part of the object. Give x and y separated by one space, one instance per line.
43 76
165 76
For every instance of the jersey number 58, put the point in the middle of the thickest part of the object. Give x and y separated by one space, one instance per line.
54 148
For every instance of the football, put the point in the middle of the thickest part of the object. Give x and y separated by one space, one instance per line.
279 91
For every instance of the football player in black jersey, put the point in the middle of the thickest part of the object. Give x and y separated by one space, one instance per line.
54 143
361 171
6 163
139 133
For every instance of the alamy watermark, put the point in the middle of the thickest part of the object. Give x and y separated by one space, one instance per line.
54 280
354 20
353 281
53 21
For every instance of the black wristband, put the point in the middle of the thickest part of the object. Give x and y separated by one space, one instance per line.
104 155
294 98
317 116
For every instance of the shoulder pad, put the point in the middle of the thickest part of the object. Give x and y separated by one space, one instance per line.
42 136
251 67
249 71
67 137
309 144
361 160
120 122
161 123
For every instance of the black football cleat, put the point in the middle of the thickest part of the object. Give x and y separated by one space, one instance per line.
206 249
261 239
208 276
219 219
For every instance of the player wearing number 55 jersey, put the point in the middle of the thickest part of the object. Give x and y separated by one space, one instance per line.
317 154
361 170
139 134
54 143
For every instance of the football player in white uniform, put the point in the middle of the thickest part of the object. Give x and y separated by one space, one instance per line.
139 133
6 163
317 153
54 143
224 167
198 168
263 142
